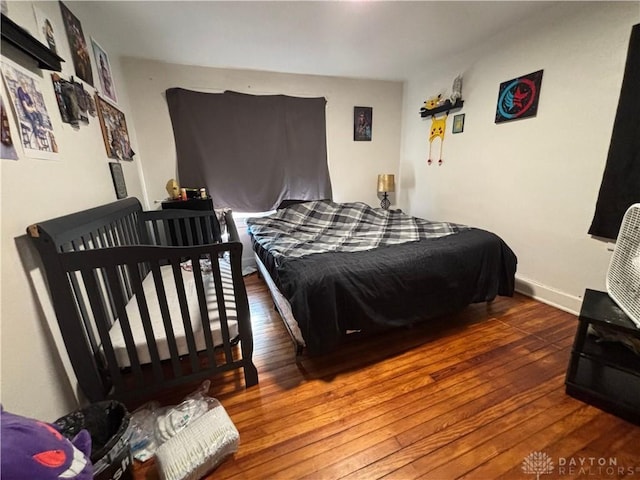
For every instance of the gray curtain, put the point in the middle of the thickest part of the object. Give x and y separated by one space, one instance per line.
250 151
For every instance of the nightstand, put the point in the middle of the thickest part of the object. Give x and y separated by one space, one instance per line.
200 204
605 374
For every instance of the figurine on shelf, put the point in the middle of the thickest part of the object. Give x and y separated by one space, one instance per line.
173 189
456 90
434 102
439 103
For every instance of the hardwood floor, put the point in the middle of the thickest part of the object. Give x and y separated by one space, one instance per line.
471 396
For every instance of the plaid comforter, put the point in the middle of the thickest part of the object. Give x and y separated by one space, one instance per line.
324 226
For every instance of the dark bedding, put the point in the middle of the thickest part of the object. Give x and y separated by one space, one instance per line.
333 292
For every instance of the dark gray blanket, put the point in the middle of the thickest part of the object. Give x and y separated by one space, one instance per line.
395 285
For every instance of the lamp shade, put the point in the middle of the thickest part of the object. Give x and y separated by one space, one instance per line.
386 183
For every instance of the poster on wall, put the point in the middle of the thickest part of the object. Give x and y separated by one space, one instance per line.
362 123
104 72
7 150
518 98
34 123
46 33
74 102
77 45
114 131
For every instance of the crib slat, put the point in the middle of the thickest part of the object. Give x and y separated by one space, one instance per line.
106 319
176 231
99 243
166 318
169 236
158 240
222 310
110 240
121 233
116 241
186 225
204 311
125 237
131 231
143 308
200 239
112 275
77 293
242 309
208 226
97 306
186 319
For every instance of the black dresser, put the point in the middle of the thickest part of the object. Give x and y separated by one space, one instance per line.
209 226
190 204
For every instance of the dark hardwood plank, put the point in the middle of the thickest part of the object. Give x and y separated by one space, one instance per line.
467 396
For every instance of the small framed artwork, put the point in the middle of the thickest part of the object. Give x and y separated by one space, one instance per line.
518 98
118 180
458 123
362 123
104 72
114 130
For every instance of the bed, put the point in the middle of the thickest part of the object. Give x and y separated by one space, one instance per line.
338 268
147 300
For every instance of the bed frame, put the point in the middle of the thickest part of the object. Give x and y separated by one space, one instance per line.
96 261
337 296
283 307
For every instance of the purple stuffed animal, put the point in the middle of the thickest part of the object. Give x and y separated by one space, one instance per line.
36 450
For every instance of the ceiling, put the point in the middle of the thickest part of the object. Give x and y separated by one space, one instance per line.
363 39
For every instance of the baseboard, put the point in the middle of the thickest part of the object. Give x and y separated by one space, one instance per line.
548 295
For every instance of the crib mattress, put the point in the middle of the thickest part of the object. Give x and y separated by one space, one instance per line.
135 320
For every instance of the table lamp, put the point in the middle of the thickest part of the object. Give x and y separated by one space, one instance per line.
386 184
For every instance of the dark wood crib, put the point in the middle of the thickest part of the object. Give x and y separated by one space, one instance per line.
146 300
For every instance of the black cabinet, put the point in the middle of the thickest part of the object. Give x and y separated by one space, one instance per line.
190 204
605 374
207 231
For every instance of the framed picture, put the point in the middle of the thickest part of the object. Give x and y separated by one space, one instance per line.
77 44
118 180
114 130
7 150
362 123
104 72
458 123
518 98
33 121
46 32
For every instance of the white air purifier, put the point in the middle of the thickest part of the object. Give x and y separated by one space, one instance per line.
623 277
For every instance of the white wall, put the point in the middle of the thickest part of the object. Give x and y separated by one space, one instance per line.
353 166
532 181
33 380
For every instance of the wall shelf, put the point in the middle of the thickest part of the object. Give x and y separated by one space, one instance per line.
442 108
24 41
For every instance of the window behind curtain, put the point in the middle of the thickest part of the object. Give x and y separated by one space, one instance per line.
250 151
